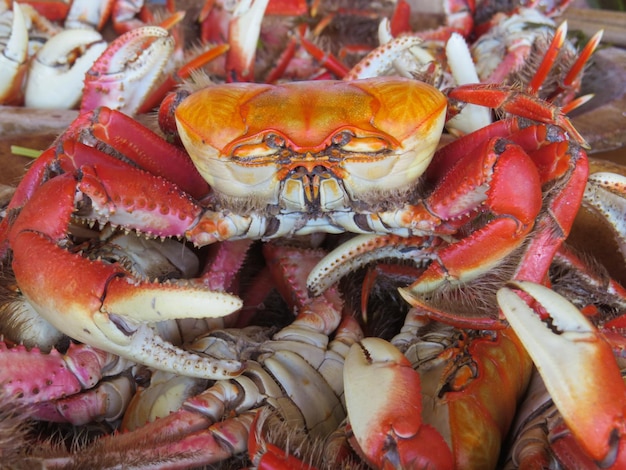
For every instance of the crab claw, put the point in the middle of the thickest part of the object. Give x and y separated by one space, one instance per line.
577 366
605 194
84 14
243 35
13 59
387 425
56 74
104 304
112 311
128 71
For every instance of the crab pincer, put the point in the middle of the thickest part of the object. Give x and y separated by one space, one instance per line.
128 71
577 366
387 426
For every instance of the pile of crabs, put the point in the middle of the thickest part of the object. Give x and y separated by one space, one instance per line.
308 264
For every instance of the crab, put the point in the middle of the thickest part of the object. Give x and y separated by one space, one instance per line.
285 161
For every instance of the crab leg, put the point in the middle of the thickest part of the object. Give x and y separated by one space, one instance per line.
64 387
31 376
114 133
577 366
121 134
522 104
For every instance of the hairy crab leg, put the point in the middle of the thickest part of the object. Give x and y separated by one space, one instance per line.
573 77
120 134
66 387
115 133
33 377
519 103
577 366
549 58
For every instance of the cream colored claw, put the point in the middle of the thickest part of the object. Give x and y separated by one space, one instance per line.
13 58
605 194
387 425
55 78
577 366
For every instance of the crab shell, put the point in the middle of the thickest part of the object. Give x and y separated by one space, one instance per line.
369 137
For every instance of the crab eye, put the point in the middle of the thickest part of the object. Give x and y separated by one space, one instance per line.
351 143
342 138
274 141
269 145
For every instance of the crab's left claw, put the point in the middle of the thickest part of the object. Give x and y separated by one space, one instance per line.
55 77
577 366
387 425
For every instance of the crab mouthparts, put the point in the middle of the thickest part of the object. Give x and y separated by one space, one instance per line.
312 190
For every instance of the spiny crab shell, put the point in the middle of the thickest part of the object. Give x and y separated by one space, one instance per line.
375 137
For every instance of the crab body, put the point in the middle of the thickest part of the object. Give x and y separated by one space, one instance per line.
332 149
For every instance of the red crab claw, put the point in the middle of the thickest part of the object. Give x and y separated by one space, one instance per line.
128 70
387 425
13 62
578 368
60 65
102 304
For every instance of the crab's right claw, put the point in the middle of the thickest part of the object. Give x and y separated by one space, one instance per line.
577 366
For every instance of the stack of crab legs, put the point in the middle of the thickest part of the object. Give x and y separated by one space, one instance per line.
129 296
